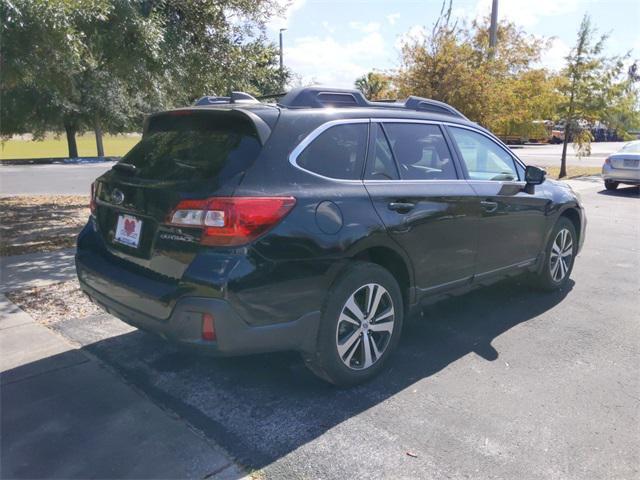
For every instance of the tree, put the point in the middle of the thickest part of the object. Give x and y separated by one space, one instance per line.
375 86
83 63
503 91
73 65
591 88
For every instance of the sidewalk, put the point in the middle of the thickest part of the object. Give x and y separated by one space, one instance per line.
36 269
64 415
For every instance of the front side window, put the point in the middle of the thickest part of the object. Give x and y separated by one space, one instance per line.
338 152
420 151
484 158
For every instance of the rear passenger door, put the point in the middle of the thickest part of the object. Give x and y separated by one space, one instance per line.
512 225
425 205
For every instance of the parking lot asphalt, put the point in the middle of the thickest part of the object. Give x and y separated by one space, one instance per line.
505 382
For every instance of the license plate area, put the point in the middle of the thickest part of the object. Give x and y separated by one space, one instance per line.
631 163
128 230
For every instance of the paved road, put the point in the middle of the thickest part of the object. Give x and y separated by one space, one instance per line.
55 179
504 383
76 179
549 155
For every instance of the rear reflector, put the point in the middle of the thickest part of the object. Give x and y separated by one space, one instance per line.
231 221
208 327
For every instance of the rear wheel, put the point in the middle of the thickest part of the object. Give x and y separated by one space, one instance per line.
360 326
559 256
610 184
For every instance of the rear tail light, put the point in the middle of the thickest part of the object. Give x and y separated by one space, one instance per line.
92 201
208 327
231 221
607 161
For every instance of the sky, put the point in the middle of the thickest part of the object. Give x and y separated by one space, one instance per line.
332 42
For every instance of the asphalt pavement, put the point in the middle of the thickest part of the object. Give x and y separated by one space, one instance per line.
54 179
505 382
69 179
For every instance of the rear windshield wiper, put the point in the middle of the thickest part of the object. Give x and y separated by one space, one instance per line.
125 167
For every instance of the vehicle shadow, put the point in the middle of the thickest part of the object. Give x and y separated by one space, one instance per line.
622 192
262 407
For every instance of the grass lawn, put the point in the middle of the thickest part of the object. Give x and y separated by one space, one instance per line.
52 147
573 171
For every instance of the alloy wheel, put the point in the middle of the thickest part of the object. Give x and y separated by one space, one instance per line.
365 326
561 253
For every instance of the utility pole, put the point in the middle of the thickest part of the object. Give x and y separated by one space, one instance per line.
493 29
281 61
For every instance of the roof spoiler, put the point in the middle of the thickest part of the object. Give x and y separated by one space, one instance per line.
261 127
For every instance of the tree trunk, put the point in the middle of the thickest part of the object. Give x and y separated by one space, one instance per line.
70 130
98 131
563 160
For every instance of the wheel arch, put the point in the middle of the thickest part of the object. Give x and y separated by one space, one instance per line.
571 213
396 264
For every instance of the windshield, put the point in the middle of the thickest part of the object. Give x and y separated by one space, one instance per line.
189 145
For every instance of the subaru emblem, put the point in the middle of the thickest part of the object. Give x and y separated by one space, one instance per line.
117 196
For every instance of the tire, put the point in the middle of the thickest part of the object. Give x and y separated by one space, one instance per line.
555 272
341 355
610 184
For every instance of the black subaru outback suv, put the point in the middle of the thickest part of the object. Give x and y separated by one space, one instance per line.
317 224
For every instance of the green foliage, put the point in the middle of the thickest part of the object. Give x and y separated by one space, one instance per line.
103 64
375 86
504 92
595 90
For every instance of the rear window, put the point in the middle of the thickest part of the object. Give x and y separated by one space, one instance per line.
633 147
194 146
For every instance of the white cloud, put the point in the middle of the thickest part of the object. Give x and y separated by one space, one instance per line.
414 34
369 27
328 61
526 12
393 18
276 23
553 57
328 27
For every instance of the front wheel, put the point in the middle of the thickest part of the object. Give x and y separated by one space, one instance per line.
559 256
610 184
360 326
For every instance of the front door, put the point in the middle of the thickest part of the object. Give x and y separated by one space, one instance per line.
512 226
431 212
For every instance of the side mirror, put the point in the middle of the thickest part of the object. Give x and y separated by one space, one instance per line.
534 175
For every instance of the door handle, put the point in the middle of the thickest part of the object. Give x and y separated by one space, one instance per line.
489 207
402 207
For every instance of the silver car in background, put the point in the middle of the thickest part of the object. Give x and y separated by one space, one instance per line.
622 166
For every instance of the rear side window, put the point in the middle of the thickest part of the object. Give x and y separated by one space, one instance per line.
338 152
484 158
194 146
421 151
380 164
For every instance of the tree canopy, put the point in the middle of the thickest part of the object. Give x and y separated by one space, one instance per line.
74 65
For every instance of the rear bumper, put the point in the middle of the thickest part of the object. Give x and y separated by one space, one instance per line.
174 309
233 335
622 175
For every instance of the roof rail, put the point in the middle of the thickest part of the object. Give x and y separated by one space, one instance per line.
236 97
428 105
321 97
